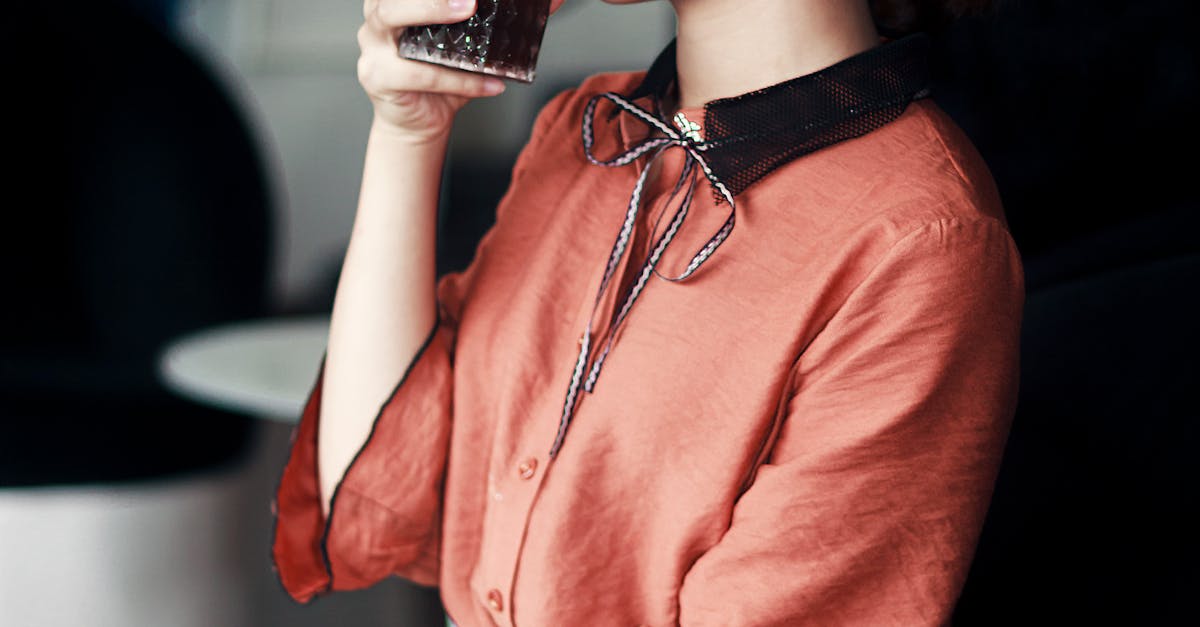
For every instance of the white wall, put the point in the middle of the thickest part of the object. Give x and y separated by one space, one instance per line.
291 63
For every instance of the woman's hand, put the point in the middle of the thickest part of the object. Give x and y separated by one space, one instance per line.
415 100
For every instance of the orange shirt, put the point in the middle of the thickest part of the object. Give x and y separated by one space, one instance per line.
805 432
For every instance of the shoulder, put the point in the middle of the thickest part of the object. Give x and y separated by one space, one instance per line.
564 112
553 143
556 128
910 198
952 188
918 170
928 169
939 212
937 197
952 154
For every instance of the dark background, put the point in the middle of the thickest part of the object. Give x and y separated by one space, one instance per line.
1085 112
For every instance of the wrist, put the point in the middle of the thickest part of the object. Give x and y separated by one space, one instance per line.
429 138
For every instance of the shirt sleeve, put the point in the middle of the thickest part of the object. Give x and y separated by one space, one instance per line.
870 505
385 513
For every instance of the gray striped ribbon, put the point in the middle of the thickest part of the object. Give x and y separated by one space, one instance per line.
656 146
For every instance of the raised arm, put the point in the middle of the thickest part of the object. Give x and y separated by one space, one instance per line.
386 369
385 304
379 414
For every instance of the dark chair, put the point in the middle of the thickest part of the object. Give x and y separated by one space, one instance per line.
1081 110
139 212
1094 515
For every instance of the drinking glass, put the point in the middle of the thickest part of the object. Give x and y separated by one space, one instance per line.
501 39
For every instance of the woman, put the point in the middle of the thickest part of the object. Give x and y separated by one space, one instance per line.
801 425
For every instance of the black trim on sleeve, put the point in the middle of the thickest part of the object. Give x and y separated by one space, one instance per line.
333 500
337 489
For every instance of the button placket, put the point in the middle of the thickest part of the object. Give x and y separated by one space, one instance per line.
520 509
506 521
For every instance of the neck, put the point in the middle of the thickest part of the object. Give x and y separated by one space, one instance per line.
729 47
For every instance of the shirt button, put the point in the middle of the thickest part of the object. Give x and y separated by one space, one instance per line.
494 600
527 468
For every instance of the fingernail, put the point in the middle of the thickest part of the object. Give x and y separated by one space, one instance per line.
493 86
461 7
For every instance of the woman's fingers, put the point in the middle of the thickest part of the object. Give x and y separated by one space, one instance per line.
388 15
389 75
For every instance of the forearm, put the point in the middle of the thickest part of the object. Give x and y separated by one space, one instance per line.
384 306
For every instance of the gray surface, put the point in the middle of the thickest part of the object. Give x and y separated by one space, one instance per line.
264 368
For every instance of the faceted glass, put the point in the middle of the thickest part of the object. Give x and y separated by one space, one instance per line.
501 39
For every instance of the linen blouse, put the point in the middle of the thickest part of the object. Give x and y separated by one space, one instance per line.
806 432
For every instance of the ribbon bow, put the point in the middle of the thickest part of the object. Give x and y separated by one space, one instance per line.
687 138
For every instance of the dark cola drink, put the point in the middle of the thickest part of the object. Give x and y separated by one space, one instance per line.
501 39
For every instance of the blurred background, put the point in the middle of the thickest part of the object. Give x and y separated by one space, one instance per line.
185 176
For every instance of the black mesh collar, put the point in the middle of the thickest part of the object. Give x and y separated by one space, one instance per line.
756 132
